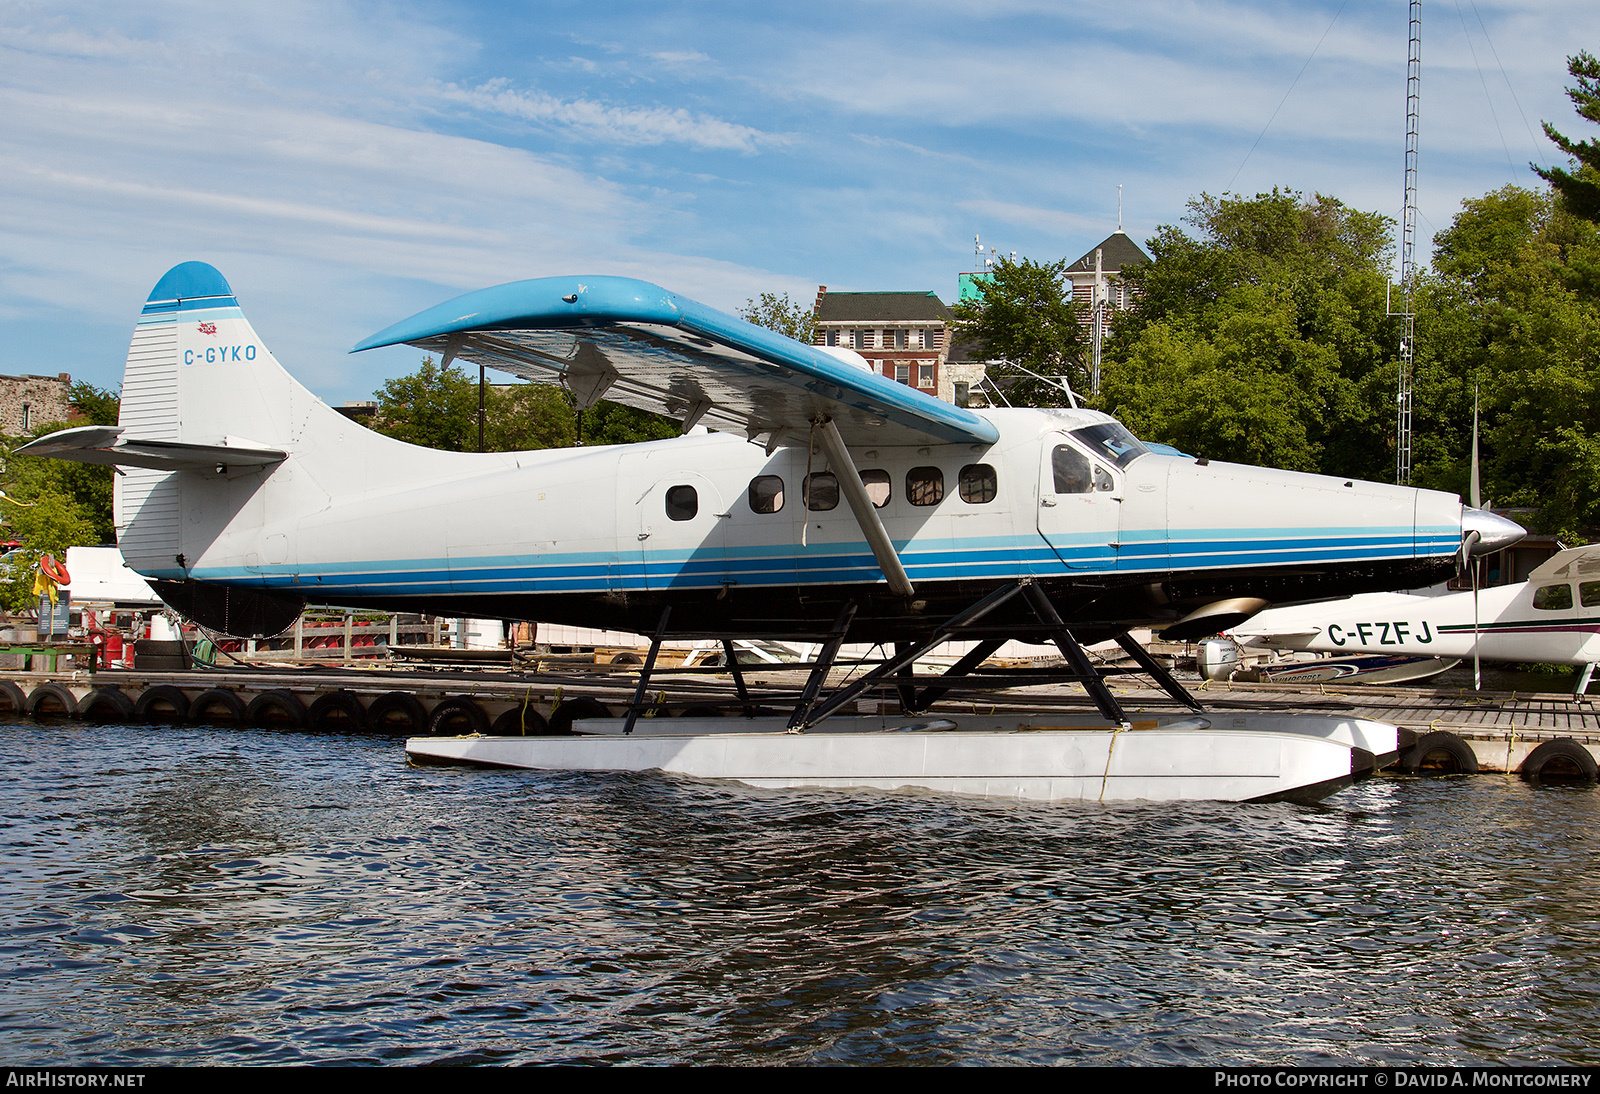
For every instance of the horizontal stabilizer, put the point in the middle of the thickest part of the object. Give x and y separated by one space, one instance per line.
104 444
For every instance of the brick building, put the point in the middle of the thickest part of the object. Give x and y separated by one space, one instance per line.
27 402
904 335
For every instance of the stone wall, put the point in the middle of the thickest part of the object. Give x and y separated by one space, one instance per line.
27 402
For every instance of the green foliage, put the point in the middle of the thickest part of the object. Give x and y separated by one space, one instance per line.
1263 337
613 423
53 504
49 524
781 314
95 406
437 407
1580 187
1024 315
1515 307
528 416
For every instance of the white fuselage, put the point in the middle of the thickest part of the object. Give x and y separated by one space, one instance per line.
1514 623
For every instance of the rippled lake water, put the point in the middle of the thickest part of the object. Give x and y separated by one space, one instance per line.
193 895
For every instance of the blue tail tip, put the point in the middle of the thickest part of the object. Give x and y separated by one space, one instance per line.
190 281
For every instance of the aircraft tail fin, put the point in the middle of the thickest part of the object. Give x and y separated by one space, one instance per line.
202 396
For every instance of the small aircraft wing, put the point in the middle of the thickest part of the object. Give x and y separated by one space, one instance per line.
104 444
1573 564
638 344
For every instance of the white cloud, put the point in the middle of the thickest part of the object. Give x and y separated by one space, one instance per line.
617 124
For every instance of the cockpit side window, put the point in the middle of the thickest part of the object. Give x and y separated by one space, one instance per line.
1589 594
1072 471
1553 598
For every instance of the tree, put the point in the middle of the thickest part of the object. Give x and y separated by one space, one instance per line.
523 417
1262 337
781 314
1515 295
435 407
612 423
55 504
1024 316
1580 187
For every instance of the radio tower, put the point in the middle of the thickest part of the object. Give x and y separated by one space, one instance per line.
1408 270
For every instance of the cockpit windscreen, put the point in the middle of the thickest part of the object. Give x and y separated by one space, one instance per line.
1110 441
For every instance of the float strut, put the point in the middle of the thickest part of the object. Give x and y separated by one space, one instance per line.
819 674
1158 672
1090 677
738 677
978 655
906 683
805 716
644 674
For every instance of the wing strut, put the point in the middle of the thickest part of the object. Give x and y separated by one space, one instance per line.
861 505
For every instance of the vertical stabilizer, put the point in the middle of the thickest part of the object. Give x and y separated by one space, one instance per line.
196 374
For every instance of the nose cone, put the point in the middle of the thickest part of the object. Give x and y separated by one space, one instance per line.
1494 532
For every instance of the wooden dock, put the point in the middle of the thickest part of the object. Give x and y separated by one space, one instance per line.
1500 727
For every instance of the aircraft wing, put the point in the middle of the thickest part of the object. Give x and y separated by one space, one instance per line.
638 344
1573 564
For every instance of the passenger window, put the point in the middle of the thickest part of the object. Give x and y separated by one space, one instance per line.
1072 472
977 483
1553 598
822 491
924 486
878 485
766 494
682 503
1589 594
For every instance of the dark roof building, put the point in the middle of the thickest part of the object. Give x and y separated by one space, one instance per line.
904 335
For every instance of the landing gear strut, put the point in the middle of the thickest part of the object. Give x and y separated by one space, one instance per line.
813 706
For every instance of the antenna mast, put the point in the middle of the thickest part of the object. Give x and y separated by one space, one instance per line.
1408 269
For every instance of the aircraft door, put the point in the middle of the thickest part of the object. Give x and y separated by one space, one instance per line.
682 537
1079 502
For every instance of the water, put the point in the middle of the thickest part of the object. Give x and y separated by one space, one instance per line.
237 897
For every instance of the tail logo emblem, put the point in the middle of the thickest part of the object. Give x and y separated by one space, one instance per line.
208 328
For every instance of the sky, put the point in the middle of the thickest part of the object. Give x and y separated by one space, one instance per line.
346 163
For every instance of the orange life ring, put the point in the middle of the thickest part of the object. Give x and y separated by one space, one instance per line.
54 570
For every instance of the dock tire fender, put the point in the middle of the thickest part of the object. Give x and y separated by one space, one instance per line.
161 703
457 716
572 710
279 708
1439 753
1565 760
397 712
520 721
219 706
51 701
339 711
109 704
13 698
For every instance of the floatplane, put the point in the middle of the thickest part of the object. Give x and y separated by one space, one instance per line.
1553 617
823 502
